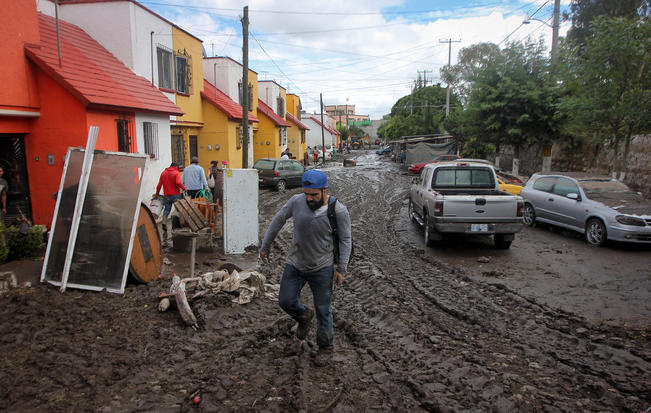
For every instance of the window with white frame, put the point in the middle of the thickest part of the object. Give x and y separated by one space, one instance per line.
150 137
182 74
165 68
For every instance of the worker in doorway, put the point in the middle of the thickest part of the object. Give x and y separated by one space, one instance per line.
172 185
311 258
194 177
216 176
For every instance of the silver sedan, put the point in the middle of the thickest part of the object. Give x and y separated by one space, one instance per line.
600 207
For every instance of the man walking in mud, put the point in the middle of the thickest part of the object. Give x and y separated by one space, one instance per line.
311 258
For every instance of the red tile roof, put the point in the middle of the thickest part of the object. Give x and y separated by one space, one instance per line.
295 121
324 126
268 112
91 73
223 102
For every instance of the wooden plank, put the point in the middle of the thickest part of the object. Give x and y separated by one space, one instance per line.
182 207
200 219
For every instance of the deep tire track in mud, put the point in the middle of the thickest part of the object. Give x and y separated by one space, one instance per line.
411 334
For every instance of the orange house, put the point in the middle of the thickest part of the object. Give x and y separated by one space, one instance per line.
86 87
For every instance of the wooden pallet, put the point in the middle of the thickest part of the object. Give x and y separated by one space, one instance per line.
191 214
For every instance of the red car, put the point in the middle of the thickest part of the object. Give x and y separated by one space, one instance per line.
416 167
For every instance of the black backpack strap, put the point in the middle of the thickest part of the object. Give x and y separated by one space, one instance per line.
332 217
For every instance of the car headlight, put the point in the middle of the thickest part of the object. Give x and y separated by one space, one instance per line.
412 166
628 220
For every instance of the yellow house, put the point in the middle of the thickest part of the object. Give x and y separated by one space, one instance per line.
296 132
220 136
188 84
270 140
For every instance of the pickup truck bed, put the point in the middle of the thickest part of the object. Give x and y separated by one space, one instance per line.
464 209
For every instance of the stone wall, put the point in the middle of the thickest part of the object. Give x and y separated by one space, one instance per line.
589 157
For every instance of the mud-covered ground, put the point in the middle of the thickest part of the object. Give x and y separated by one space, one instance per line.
417 329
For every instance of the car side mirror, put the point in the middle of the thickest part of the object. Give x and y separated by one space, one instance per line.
574 196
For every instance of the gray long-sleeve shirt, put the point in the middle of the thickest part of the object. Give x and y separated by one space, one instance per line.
312 245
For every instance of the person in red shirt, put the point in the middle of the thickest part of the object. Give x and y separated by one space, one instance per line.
170 180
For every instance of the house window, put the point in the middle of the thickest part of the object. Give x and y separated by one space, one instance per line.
165 68
239 87
302 136
281 107
150 136
283 136
125 141
238 138
182 74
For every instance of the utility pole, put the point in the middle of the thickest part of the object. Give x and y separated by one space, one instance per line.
322 131
555 27
447 91
245 88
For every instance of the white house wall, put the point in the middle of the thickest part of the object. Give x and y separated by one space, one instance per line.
269 92
124 29
313 135
155 166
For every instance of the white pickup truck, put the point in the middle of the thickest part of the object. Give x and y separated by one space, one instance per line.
463 197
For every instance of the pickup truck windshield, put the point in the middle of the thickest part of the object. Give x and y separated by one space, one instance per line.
455 177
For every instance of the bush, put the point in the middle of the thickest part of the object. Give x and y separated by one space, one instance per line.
4 250
25 242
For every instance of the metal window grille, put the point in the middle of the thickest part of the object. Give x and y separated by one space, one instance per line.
181 74
150 135
283 135
238 139
281 107
165 68
125 135
193 146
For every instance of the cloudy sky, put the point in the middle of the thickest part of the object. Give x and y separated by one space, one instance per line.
365 53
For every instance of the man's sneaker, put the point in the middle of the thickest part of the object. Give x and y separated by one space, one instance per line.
323 356
304 324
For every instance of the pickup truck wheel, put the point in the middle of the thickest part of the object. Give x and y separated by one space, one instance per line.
595 232
429 242
411 212
529 215
501 243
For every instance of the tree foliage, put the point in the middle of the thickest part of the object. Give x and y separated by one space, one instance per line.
419 113
609 85
507 93
583 12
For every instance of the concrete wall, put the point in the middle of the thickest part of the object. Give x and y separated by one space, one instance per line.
372 129
590 157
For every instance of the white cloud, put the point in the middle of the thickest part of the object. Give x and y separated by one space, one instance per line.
350 49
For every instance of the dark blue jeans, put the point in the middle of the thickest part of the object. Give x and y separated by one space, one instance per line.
168 200
320 283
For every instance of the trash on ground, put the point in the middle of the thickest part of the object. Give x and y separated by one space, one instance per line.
247 285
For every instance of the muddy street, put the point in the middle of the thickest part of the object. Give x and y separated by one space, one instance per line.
416 329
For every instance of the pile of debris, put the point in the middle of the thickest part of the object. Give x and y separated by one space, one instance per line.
246 284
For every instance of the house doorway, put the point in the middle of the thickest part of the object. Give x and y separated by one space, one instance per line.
13 162
178 153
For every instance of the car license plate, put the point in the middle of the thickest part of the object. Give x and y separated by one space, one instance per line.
478 227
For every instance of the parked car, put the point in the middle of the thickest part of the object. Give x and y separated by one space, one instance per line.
386 150
599 207
279 173
378 142
415 168
514 189
463 197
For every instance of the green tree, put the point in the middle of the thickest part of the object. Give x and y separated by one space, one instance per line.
583 12
609 85
508 95
418 113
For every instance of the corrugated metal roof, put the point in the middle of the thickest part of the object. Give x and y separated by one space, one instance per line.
268 112
295 121
223 102
91 73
